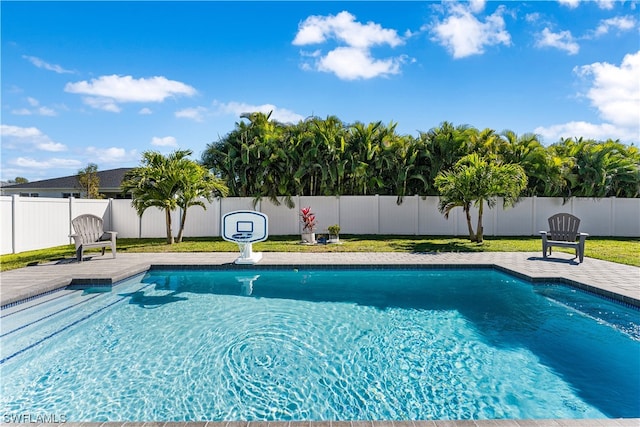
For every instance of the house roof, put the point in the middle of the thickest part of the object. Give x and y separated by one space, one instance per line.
110 178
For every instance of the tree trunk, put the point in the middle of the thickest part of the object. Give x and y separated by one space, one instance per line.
480 235
472 235
182 221
167 215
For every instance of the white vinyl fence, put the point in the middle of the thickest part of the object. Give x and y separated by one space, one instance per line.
36 223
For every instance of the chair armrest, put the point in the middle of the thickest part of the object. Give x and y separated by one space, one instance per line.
544 233
108 235
584 234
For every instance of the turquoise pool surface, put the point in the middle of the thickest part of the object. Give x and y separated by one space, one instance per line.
193 345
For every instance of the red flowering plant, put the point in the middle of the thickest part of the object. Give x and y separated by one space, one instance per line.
308 219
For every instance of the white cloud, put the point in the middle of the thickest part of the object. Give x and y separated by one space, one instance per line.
45 65
572 4
532 17
196 113
106 92
602 131
30 137
562 40
602 4
237 108
105 104
111 155
167 141
46 111
464 35
619 23
28 162
36 109
22 112
344 28
350 63
477 6
615 93
353 38
145 111
19 132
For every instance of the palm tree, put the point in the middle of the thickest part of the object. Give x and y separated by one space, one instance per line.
196 183
479 180
543 167
168 182
445 145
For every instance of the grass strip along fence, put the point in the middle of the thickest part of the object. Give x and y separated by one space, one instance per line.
615 249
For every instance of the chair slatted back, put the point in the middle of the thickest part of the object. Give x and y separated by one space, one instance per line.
564 227
88 227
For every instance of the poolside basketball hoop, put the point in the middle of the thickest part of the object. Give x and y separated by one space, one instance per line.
245 228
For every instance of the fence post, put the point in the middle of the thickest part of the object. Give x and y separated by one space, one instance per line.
495 216
377 196
218 213
298 207
70 227
110 214
14 218
612 215
416 223
338 209
534 218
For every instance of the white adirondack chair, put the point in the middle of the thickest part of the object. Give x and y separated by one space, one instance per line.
563 232
89 233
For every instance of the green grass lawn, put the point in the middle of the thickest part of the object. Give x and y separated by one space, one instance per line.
620 250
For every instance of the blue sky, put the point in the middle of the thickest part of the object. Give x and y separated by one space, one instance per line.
103 82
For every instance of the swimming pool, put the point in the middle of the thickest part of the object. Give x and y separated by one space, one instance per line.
257 344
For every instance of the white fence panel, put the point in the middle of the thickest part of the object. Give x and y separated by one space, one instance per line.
201 222
45 222
230 204
124 219
398 219
626 217
154 223
594 217
282 220
41 223
432 222
359 215
6 224
516 220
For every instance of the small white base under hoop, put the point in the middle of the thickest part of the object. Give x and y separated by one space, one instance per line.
247 256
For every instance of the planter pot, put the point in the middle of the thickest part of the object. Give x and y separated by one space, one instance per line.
333 238
309 238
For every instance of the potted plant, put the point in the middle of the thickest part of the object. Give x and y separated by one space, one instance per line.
334 231
309 223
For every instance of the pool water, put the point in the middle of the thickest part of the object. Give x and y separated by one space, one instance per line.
189 345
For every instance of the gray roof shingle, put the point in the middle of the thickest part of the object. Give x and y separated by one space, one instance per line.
110 178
